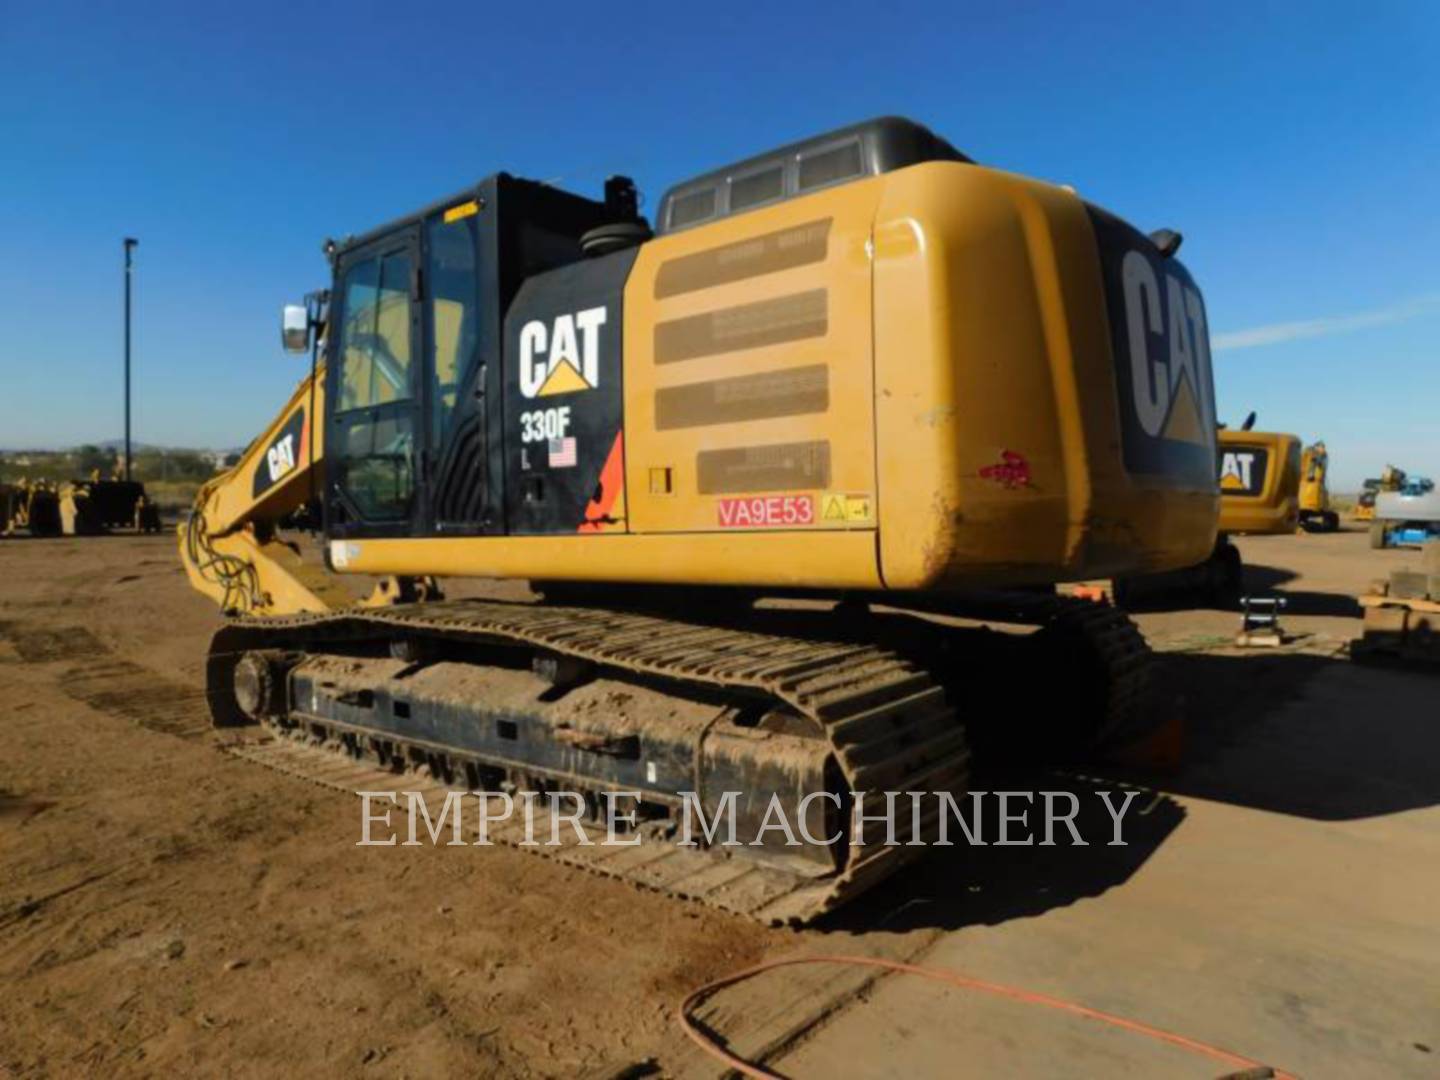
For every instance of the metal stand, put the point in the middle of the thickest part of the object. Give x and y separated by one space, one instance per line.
1260 622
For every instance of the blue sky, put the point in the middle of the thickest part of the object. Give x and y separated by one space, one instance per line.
1296 146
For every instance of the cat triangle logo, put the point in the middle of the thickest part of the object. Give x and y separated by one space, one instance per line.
1237 471
1184 422
563 380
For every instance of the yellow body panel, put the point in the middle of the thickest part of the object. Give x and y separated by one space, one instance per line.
227 545
837 560
230 500
1275 508
992 339
806 286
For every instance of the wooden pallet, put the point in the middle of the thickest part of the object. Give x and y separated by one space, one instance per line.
1403 629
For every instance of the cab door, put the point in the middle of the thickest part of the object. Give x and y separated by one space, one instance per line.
374 441
462 456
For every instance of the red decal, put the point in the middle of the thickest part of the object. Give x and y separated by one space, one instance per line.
1012 472
766 511
607 509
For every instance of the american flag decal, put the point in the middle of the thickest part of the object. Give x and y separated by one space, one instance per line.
562 453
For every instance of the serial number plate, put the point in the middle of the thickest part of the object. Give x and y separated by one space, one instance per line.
766 511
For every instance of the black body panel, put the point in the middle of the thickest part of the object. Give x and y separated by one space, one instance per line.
564 408
1161 348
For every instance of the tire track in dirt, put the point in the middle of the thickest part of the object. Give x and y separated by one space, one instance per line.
94 676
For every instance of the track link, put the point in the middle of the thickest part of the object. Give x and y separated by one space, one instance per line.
889 726
1121 661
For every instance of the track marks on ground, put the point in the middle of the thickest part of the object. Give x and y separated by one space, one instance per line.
43 645
105 682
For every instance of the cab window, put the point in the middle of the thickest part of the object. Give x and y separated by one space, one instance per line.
454 313
373 433
375 350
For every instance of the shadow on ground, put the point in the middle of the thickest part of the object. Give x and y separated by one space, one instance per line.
1260 580
968 885
1303 735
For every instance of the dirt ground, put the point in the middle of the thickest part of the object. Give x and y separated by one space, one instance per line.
164 906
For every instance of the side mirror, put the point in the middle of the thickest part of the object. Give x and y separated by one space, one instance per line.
295 328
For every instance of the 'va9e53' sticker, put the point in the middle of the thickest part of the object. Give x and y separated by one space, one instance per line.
766 511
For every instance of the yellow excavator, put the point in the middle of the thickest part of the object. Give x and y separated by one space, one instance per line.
1316 513
755 463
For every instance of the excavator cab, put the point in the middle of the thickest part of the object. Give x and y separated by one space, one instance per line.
413 378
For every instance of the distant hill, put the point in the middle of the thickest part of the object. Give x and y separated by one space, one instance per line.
118 446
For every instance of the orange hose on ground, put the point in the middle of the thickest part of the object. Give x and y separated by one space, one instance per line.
951 978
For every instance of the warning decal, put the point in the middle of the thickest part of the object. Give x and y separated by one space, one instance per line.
845 509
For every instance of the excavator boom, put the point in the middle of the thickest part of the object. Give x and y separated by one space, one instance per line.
229 543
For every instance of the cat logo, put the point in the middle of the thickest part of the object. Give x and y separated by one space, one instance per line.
1169 353
281 457
1237 471
563 358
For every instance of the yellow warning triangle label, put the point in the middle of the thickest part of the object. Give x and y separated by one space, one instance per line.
834 508
1184 422
563 380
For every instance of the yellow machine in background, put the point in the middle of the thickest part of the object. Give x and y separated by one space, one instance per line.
1259 478
33 506
1392 479
1316 514
1260 481
860 368
95 506
76 508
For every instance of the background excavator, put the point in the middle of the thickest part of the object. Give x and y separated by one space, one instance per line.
1316 513
752 464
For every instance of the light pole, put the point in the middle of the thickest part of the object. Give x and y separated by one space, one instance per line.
130 244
